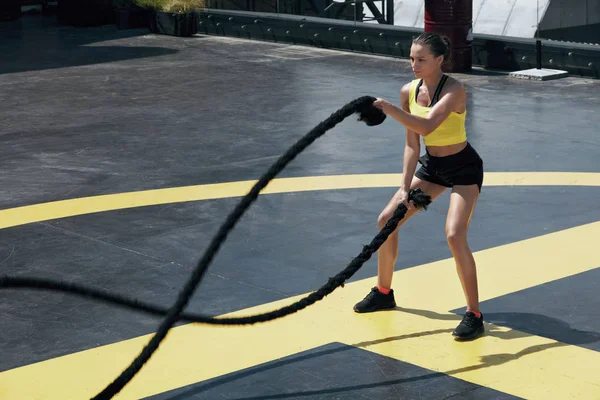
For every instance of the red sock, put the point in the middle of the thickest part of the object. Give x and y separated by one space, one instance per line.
478 314
383 290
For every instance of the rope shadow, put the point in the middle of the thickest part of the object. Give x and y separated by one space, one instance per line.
558 328
486 362
295 359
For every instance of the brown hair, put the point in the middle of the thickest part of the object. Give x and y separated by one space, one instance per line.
438 44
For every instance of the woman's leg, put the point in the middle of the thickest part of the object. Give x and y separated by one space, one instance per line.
382 297
388 252
462 204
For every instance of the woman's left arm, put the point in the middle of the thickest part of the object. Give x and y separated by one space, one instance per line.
439 112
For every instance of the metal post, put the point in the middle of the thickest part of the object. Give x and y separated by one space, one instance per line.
389 13
538 51
538 42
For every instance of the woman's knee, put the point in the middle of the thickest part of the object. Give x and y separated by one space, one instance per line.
383 218
456 235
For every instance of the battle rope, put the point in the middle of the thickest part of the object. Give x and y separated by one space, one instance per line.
371 116
419 199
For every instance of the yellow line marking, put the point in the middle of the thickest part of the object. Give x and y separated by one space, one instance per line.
510 361
87 205
513 362
507 360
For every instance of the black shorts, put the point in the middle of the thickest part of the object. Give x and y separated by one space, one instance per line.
462 168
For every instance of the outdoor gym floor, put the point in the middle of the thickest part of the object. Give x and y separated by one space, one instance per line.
122 152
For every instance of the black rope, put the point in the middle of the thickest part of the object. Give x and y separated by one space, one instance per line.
417 197
371 116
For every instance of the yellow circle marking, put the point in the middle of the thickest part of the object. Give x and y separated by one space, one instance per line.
87 205
498 361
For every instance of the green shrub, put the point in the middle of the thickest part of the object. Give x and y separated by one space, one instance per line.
175 6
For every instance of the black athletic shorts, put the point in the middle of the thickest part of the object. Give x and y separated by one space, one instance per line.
462 168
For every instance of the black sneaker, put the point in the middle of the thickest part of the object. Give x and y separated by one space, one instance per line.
470 327
376 301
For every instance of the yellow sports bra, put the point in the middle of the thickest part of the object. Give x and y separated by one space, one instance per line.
451 131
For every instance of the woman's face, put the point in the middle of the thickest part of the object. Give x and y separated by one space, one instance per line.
423 62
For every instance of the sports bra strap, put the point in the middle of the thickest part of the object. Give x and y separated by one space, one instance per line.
438 90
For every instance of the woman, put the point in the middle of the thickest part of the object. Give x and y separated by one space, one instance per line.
434 107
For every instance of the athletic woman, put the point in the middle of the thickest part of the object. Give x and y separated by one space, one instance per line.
433 106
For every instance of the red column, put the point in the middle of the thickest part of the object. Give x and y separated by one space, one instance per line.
453 18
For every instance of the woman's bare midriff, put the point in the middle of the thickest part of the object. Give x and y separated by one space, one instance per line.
443 151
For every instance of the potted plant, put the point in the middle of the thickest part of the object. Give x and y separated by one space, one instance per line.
172 17
129 15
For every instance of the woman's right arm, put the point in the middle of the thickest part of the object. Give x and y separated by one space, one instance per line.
412 149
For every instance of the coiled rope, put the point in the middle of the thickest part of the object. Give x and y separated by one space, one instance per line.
371 116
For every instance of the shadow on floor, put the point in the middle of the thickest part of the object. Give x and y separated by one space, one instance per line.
546 326
39 42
